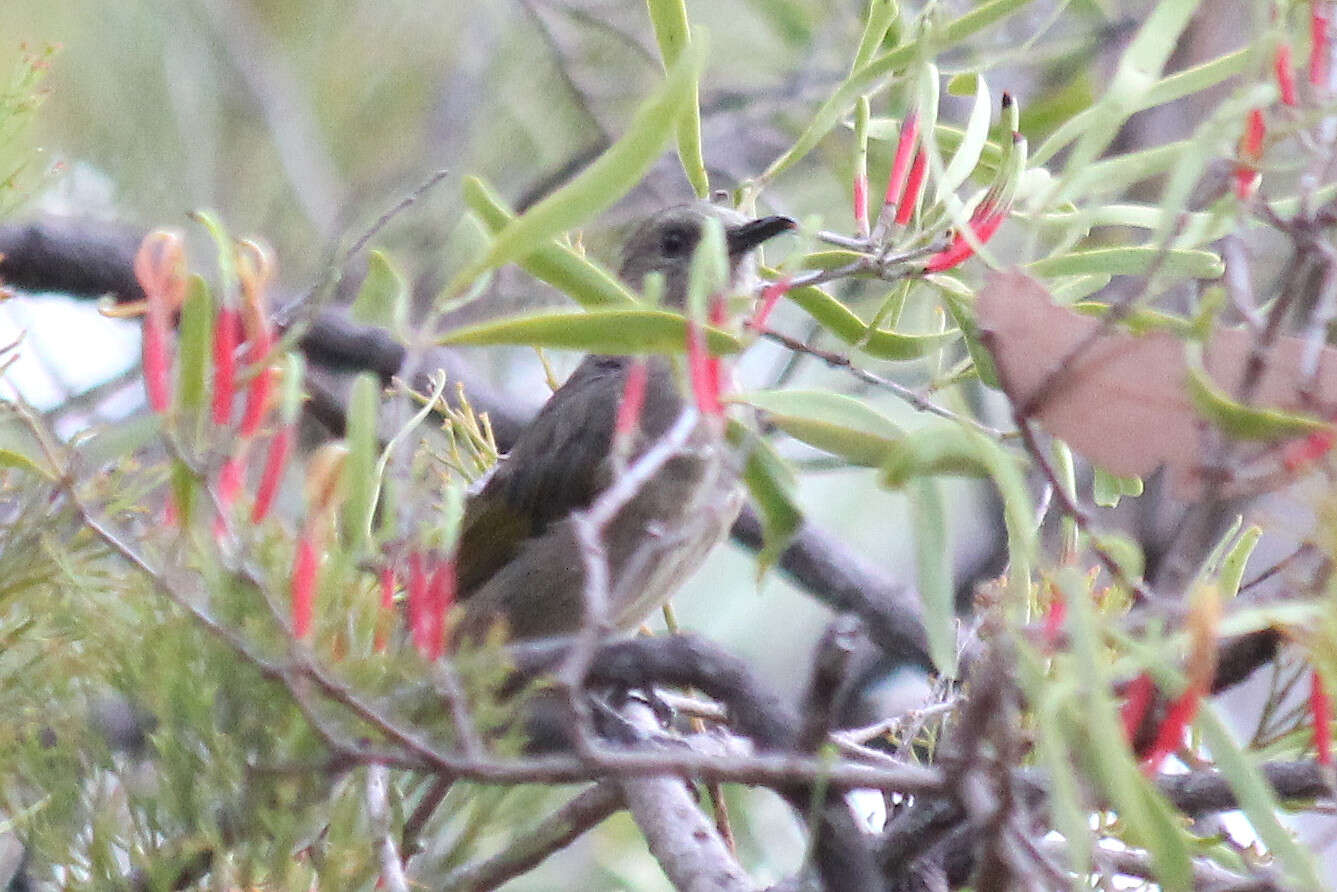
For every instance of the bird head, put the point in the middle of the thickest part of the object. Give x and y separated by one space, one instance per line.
666 242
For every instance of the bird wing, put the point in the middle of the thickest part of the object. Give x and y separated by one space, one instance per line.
558 465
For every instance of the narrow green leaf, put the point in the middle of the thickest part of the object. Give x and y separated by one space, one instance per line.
842 322
669 18
606 180
967 156
1233 564
583 280
1071 813
1142 812
18 461
360 476
770 483
959 306
1129 261
195 344
952 449
880 67
934 572
1242 422
1168 89
1107 489
593 331
1134 77
881 14
829 421
1256 799
383 298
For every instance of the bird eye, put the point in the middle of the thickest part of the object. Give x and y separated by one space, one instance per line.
674 242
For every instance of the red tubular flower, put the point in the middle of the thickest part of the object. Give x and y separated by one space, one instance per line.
1319 49
984 223
276 461
226 328
1137 700
419 608
1054 617
770 296
305 564
1246 174
260 393
441 595
387 608
1170 735
160 268
1298 454
254 269
157 364
1285 72
900 163
1320 710
861 202
913 186
633 399
703 375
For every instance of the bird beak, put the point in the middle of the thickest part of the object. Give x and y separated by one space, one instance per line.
741 239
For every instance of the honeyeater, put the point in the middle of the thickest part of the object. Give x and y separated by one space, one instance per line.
519 562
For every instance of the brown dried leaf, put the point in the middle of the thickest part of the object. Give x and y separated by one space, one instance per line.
1124 403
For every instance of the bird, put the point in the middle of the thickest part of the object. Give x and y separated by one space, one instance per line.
518 562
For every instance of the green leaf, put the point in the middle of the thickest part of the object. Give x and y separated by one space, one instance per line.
1167 89
195 344
669 18
881 15
383 298
770 483
959 306
883 66
606 180
1233 564
1135 77
1141 810
360 478
1256 799
829 421
583 280
17 460
1129 261
879 343
594 331
977 134
951 449
1107 489
1071 813
934 572
1242 422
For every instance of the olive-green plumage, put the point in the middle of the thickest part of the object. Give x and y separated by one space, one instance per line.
518 558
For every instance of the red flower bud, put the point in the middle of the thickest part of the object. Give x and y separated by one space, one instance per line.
984 223
1137 700
703 374
276 461
1285 72
633 399
1170 735
306 563
226 328
1320 710
770 296
913 186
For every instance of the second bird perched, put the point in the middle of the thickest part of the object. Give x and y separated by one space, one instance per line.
519 563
